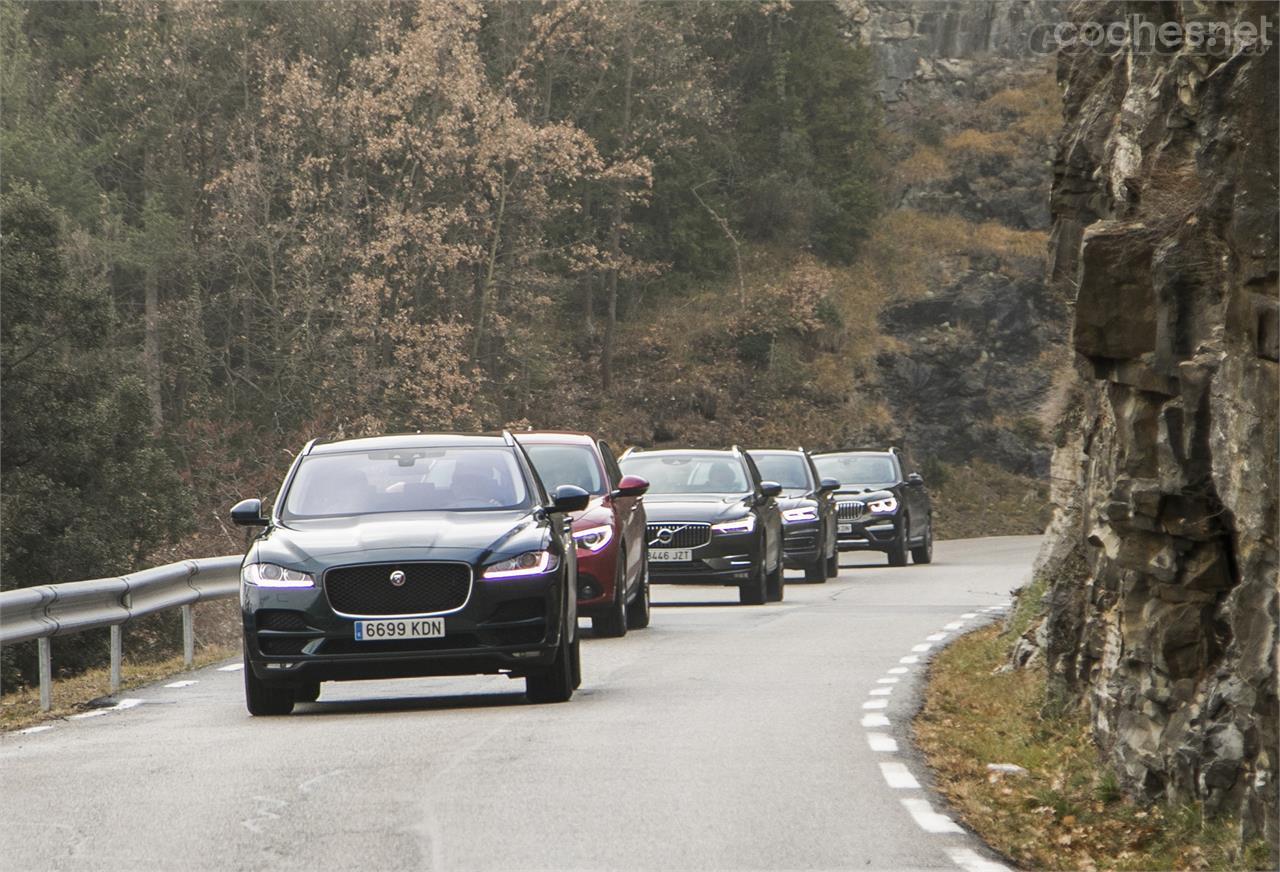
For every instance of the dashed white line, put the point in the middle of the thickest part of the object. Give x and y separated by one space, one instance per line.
876 704
936 637
234 667
900 670
881 691
910 658
928 819
922 647
96 713
39 729
954 625
892 680
181 684
882 743
969 616
897 776
971 861
875 720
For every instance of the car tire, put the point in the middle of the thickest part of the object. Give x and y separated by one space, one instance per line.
923 553
263 699
755 591
639 610
557 682
614 624
777 584
898 550
306 692
816 571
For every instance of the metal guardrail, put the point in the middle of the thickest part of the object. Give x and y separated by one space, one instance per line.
49 610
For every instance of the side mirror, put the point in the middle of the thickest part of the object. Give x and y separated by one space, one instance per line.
827 485
770 488
915 479
248 513
632 486
569 498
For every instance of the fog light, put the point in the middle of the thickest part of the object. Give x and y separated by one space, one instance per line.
588 591
281 665
525 653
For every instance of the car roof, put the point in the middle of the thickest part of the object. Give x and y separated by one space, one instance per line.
555 437
411 440
686 452
864 452
800 451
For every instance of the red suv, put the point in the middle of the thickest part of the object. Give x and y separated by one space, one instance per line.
613 568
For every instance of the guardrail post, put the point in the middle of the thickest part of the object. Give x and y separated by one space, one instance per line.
46 673
117 654
188 637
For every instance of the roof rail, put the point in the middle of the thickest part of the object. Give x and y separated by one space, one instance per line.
507 438
306 449
631 449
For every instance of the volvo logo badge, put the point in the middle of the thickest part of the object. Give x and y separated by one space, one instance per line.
665 536
397 578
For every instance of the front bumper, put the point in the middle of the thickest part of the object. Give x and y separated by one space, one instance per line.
596 580
727 559
868 534
510 625
801 544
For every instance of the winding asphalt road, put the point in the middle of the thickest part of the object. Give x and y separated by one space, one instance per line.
722 737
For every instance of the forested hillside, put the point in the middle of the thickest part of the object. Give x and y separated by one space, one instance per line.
229 228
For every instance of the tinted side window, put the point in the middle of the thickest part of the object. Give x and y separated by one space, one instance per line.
610 464
752 472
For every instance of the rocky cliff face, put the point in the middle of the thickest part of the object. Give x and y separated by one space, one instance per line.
1162 556
972 113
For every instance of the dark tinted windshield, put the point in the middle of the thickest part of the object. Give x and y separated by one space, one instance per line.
857 469
567 464
788 470
689 475
406 480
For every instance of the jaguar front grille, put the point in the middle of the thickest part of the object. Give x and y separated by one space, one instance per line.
398 588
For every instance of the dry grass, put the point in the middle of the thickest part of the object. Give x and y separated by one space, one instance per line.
1067 811
21 708
980 499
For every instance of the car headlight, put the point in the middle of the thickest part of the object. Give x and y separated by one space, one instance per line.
593 538
884 506
271 575
745 524
795 516
522 565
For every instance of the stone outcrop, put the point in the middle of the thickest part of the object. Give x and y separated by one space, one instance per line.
974 359
1162 610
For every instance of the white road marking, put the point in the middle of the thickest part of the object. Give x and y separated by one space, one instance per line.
897 776
969 616
39 729
893 680
910 658
954 625
234 667
875 720
928 819
922 647
125 704
936 637
881 742
118 707
881 691
899 670
971 861
876 704
96 713
181 684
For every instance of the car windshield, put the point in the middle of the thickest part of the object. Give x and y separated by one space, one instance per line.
787 470
689 475
405 480
567 464
857 469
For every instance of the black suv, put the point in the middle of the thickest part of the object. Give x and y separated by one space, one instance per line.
808 511
711 520
401 556
880 508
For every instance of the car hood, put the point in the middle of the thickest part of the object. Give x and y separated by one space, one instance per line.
693 507
472 537
599 511
795 500
866 495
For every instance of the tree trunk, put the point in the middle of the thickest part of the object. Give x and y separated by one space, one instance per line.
615 224
151 345
486 286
